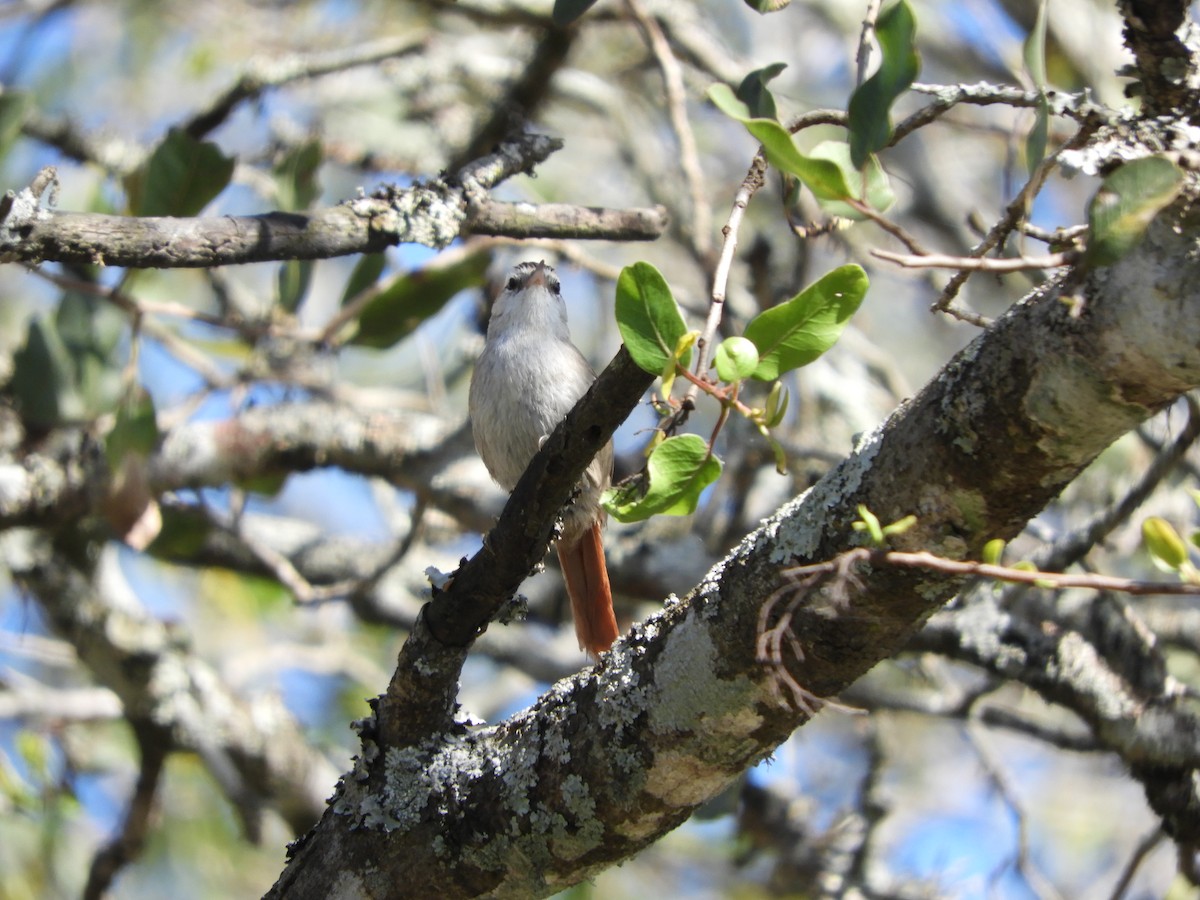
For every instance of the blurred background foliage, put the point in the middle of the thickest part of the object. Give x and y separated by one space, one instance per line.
106 91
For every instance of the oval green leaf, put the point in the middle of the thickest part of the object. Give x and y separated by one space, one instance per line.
869 113
677 472
649 319
796 332
397 310
180 178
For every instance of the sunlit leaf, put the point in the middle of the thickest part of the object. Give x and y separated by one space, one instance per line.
766 6
1035 64
1164 543
1126 204
735 358
1034 51
677 472
649 319
796 332
777 404
869 112
820 176
135 429
868 183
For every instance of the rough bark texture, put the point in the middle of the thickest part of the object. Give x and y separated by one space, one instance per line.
611 759
433 213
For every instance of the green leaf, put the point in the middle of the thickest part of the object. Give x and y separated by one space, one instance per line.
736 358
135 429
869 522
677 472
766 6
365 273
1126 204
753 91
567 11
1039 135
408 301
900 526
183 536
1164 543
293 280
68 369
869 184
993 551
43 379
1034 54
14 107
777 404
868 115
296 176
180 178
649 319
1034 51
796 332
820 176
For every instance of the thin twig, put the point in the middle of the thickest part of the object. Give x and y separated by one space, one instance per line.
755 178
863 58
689 156
1144 848
126 846
1034 878
922 559
977 264
265 73
1014 213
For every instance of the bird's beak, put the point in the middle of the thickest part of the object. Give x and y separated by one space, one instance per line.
537 276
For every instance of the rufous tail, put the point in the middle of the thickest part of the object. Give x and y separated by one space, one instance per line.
591 598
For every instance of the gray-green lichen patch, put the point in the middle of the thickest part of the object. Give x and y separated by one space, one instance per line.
791 535
688 693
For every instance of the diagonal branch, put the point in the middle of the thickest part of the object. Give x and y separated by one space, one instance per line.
420 700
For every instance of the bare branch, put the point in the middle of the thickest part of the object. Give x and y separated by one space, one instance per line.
977 263
689 156
433 213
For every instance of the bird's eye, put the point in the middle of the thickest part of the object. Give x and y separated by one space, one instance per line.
514 283
553 284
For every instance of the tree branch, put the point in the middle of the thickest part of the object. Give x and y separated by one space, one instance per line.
432 213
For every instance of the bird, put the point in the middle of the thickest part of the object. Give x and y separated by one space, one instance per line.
526 380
